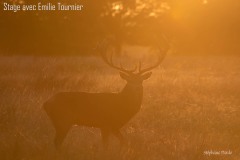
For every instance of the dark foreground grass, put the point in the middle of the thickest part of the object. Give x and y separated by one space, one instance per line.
191 105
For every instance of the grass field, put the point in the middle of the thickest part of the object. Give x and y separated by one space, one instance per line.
191 105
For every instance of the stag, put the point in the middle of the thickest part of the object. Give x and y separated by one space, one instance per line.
107 111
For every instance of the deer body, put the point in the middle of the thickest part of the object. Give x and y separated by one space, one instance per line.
107 111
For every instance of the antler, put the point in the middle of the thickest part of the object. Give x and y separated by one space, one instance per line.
162 52
159 61
103 49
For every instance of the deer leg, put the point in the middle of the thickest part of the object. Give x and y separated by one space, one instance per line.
60 136
105 137
119 135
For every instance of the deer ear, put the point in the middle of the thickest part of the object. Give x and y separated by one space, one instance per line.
146 76
124 76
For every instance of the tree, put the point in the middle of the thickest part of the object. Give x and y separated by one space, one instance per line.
77 32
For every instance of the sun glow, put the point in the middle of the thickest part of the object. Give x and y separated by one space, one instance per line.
117 7
205 1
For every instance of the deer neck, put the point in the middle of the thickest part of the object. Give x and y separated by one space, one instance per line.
133 93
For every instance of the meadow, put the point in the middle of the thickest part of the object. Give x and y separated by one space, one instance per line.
191 105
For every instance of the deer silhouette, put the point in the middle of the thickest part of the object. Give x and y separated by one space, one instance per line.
107 111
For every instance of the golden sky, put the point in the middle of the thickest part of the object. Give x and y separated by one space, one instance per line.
208 25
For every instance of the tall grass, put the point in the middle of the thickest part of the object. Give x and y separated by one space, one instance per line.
190 105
